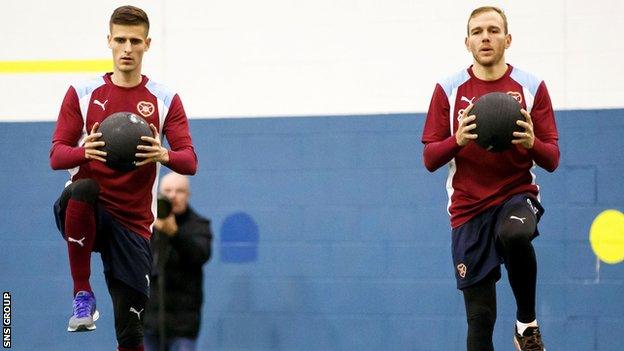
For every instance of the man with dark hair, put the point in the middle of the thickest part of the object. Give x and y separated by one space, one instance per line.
493 198
109 211
129 16
181 244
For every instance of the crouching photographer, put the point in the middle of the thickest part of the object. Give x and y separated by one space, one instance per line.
181 244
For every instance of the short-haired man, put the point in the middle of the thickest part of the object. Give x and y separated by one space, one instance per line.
105 210
493 197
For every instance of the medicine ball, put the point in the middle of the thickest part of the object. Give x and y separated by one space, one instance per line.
121 134
496 116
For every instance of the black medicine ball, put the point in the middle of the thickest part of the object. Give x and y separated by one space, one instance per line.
121 134
496 116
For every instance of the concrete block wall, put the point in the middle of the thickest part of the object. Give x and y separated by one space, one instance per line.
350 246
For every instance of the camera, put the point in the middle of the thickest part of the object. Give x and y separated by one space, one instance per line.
163 206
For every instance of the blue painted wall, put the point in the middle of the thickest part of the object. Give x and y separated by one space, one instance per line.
351 249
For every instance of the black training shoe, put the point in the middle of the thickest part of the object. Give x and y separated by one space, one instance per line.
530 340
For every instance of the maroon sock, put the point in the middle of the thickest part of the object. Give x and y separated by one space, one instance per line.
136 348
80 232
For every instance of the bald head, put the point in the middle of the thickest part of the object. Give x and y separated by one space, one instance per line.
174 179
176 188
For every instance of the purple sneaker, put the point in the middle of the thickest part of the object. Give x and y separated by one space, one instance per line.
85 313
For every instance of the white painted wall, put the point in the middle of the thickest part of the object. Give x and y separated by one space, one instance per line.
245 58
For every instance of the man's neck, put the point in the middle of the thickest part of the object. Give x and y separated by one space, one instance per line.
126 79
489 73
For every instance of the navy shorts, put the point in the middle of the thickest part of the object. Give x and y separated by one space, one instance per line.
126 256
475 243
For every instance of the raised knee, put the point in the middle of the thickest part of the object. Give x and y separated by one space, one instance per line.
86 190
515 237
516 228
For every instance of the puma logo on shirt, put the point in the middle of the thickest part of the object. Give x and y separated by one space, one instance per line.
101 104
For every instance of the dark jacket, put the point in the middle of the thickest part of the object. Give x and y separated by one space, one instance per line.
180 258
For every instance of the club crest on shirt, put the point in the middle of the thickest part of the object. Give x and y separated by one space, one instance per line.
461 270
145 108
516 95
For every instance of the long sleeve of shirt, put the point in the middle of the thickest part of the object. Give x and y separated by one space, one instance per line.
545 151
440 144
66 152
182 157
438 153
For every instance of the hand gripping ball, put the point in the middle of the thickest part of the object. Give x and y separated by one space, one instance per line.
121 134
496 116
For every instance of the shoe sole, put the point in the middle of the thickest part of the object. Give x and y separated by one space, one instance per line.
518 345
85 327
